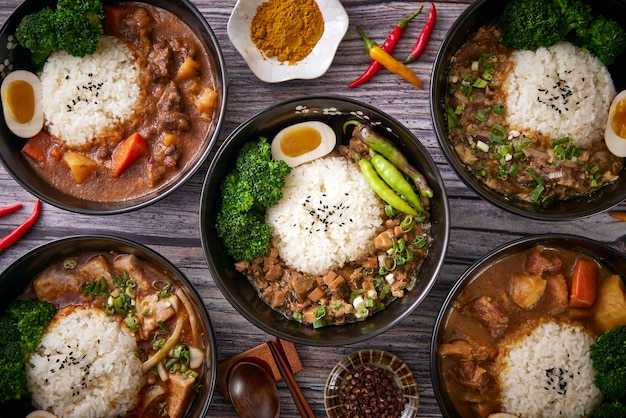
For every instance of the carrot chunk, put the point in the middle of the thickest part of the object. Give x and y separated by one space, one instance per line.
127 153
584 284
36 147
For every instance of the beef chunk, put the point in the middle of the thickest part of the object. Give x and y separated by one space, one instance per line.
490 313
540 263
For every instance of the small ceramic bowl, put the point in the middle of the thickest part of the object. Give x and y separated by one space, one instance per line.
403 378
269 69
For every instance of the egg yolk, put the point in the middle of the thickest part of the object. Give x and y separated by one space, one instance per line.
619 119
300 140
20 98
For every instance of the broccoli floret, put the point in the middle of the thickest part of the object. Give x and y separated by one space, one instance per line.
245 234
254 185
606 39
20 327
31 317
608 355
609 350
37 33
76 33
12 371
530 24
8 330
578 17
610 410
93 9
75 26
237 193
255 162
611 383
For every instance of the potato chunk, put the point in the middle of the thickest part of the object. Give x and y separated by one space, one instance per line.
188 69
205 102
526 289
611 303
80 165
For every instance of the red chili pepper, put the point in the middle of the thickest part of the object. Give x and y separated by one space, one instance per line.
618 215
14 236
7 210
388 46
424 36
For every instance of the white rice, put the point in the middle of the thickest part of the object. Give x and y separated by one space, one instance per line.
83 96
560 91
328 216
85 366
549 373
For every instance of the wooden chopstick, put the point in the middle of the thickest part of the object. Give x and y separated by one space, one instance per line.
285 370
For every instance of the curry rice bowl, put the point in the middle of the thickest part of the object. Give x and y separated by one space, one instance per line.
327 217
549 373
85 366
83 96
559 91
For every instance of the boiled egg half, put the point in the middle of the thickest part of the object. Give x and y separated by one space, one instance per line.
615 131
21 103
303 142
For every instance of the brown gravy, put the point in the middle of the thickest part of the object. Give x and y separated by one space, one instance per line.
160 306
173 121
473 117
470 324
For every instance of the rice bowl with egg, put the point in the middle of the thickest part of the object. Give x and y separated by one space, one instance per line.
131 120
529 125
317 250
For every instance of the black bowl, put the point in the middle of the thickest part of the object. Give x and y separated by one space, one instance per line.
476 15
18 276
604 254
236 287
10 145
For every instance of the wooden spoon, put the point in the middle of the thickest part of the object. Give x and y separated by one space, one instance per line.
253 391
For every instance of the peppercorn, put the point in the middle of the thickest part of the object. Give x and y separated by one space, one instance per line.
371 391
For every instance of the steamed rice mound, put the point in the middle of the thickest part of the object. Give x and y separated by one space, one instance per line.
85 366
559 91
327 217
549 373
85 96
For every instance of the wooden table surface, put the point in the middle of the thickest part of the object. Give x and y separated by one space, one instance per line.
171 226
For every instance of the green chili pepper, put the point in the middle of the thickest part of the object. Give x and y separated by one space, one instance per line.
381 188
387 149
395 179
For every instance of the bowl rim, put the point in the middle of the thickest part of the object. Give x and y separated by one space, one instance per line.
113 208
436 99
577 242
269 69
81 243
436 269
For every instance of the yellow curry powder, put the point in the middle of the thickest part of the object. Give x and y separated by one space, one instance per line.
287 29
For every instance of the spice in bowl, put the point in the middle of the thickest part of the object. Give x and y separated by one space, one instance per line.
372 383
287 29
371 390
